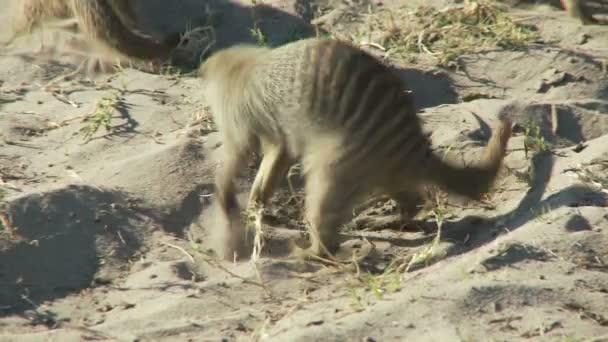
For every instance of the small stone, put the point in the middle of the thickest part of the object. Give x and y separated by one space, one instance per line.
541 87
582 38
126 306
557 78
549 73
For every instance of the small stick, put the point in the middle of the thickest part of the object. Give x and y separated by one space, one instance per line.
375 45
554 119
181 250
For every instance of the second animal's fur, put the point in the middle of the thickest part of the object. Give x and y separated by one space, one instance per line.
342 113
110 23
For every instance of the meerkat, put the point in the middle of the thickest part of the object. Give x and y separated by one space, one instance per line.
345 116
110 24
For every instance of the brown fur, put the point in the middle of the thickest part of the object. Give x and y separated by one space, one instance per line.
108 23
344 115
582 10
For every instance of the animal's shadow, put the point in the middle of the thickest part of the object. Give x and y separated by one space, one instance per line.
61 239
230 23
473 231
429 90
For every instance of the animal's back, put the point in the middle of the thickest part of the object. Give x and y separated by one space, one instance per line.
330 89
339 106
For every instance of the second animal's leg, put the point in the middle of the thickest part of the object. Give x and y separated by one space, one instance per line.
97 64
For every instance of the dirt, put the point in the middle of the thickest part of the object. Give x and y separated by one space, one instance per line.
108 238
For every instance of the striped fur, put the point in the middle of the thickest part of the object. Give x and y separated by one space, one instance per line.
344 115
109 22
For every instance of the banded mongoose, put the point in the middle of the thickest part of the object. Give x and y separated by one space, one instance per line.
110 23
344 115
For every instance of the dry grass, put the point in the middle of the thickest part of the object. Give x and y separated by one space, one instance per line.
534 141
256 30
448 33
197 42
253 217
374 286
428 253
102 116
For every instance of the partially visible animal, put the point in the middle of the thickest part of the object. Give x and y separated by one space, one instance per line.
108 25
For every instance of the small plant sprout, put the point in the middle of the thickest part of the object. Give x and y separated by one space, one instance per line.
102 116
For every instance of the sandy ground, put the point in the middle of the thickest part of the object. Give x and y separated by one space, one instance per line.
107 239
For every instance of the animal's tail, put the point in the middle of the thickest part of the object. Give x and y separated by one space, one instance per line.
474 180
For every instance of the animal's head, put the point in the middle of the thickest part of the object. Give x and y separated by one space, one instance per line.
229 62
226 72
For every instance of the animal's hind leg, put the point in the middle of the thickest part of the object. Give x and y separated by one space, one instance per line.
409 202
329 202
